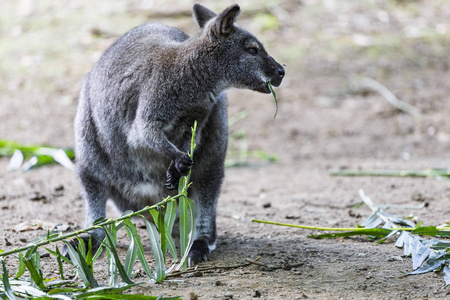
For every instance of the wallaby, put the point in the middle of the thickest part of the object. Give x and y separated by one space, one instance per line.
136 108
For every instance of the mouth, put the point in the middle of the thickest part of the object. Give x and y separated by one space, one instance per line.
264 87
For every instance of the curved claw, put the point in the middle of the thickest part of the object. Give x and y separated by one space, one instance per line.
172 177
169 186
190 262
199 252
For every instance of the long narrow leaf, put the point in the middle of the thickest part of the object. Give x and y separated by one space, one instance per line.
171 247
16 161
60 265
56 255
162 232
434 263
274 99
121 269
35 273
132 251
112 268
6 285
155 243
440 245
170 215
376 232
83 270
421 256
155 216
82 247
169 221
89 259
21 269
431 231
184 228
98 252
401 239
110 245
392 233
140 248
28 290
408 241
126 296
103 291
85 267
187 209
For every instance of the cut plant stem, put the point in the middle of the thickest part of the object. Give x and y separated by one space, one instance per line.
433 173
274 98
328 228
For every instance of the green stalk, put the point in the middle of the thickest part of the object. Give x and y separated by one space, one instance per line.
186 211
274 98
445 173
86 230
327 228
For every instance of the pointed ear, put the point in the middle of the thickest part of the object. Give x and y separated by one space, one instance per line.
202 15
224 22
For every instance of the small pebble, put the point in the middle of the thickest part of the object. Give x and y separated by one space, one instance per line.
395 258
228 295
256 294
59 188
36 196
198 274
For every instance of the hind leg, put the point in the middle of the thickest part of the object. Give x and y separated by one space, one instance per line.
95 196
207 176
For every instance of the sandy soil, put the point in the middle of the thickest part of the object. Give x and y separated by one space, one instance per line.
325 122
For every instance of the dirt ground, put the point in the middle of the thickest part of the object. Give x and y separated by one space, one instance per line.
326 121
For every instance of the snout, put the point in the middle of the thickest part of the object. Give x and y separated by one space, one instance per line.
276 72
273 73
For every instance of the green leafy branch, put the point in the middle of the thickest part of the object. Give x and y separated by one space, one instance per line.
82 257
427 254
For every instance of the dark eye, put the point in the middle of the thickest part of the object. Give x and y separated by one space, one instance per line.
252 50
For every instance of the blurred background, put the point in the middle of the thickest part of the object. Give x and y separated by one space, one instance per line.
329 47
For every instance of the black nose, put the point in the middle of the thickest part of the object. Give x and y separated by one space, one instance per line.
281 72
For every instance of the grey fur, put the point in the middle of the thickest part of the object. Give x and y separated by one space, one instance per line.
136 107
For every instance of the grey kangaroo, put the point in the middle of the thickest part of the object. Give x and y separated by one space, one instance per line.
138 103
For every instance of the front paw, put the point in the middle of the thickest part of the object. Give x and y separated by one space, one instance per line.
179 167
183 164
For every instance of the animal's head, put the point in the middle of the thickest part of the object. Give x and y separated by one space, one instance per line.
240 56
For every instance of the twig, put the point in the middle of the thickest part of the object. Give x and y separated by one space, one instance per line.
255 262
389 96
193 270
